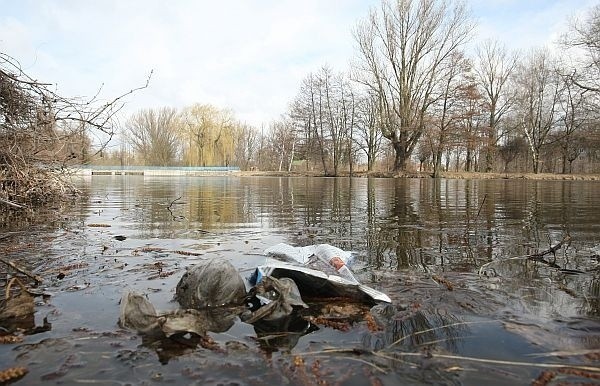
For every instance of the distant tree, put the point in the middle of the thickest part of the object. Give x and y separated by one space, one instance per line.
401 48
367 136
246 145
511 148
472 121
423 154
494 67
538 94
154 135
447 109
209 135
325 108
576 116
283 143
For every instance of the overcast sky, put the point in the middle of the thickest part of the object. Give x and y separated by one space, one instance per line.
247 55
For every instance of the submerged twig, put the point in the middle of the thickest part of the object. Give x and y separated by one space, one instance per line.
481 206
176 218
501 362
430 355
565 353
344 351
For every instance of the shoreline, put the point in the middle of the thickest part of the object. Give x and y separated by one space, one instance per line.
444 175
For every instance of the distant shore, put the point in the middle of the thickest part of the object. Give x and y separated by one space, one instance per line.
447 175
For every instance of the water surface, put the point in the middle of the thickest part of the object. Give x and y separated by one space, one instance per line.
452 255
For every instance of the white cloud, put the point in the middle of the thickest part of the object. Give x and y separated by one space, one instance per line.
522 25
249 56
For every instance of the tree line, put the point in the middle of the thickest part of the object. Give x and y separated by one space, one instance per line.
418 96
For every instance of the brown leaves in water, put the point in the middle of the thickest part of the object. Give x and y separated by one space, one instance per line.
186 253
10 339
99 225
137 251
444 281
547 376
341 316
161 273
12 374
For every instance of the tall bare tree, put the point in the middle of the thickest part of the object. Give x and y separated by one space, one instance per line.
367 136
494 67
401 48
447 111
325 108
577 115
538 95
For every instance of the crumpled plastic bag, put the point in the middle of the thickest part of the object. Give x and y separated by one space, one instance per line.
209 292
210 283
137 313
278 298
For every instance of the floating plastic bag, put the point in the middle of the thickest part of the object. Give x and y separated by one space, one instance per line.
210 283
137 313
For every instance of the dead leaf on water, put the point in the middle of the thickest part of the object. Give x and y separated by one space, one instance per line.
12 374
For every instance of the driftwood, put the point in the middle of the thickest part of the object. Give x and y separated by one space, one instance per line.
38 279
539 256
550 251
10 203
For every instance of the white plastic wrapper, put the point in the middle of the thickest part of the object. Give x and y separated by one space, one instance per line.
323 257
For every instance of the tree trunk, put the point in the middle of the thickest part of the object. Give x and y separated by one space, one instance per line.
400 156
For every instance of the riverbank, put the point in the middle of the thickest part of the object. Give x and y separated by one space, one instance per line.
448 175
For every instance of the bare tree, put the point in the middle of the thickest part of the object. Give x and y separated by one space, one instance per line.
401 48
246 145
367 136
447 110
308 109
154 135
575 118
493 69
584 36
325 108
538 93
511 148
283 143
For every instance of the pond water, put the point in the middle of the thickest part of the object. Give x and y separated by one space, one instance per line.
471 302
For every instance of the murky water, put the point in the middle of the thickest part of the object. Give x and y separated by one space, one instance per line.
469 306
